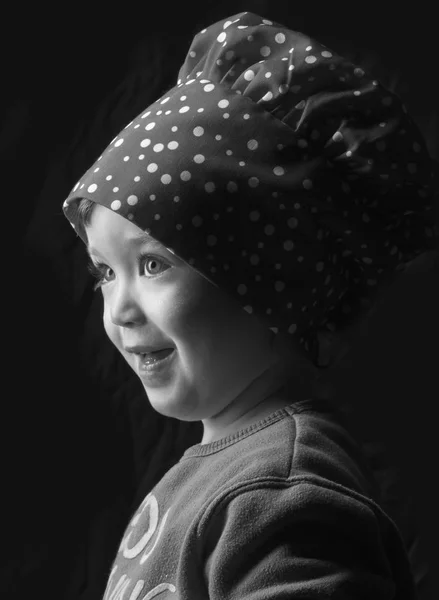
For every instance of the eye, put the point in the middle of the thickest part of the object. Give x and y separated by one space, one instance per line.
148 265
102 273
107 273
153 265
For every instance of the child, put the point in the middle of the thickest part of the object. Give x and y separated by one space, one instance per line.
266 196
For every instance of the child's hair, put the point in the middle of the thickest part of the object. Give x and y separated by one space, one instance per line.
84 212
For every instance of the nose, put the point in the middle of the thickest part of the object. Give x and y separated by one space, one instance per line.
125 307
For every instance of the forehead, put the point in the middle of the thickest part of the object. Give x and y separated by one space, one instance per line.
107 229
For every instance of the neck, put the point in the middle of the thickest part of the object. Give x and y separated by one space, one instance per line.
264 395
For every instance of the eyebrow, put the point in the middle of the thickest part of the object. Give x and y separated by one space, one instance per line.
138 240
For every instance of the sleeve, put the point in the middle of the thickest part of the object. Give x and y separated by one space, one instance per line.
303 541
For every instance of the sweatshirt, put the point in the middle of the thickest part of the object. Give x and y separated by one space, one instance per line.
285 508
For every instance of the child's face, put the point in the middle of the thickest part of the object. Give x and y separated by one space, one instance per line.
152 298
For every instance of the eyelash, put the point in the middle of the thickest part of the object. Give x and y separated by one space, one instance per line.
97 269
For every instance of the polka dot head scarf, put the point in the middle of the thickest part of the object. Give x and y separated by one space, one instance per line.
278 170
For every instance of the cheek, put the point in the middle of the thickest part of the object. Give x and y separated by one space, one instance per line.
182 315
110 328
209 324
189 316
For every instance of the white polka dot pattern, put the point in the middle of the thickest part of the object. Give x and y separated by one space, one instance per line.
228 170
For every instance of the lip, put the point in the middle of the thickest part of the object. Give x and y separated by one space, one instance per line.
143 349
155 372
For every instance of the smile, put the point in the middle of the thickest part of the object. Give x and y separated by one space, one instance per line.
154 367
150 358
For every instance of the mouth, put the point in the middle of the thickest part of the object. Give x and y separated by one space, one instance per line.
151 358
154 367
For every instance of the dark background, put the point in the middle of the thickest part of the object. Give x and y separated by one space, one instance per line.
80 444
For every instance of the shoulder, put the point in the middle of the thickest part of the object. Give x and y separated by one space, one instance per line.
306 438
304 533
267 501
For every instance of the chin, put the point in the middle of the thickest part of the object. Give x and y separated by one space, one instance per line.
174 405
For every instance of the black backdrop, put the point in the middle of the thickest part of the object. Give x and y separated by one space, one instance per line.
80 445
